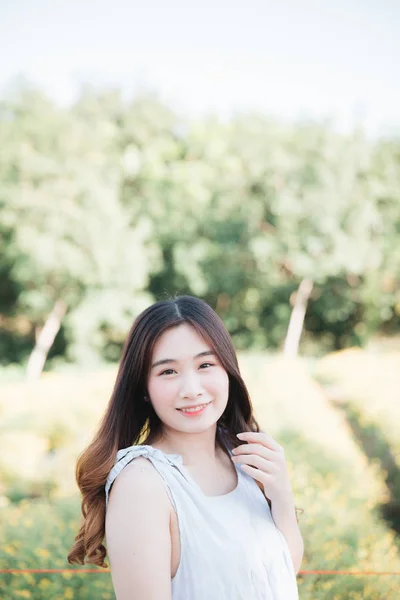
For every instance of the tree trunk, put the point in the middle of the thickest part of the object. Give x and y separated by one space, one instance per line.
45 340
296 322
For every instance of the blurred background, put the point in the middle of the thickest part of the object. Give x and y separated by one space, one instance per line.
247 153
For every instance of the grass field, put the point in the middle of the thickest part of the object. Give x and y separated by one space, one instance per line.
338 419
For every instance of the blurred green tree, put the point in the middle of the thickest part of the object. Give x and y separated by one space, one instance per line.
110 204
77 250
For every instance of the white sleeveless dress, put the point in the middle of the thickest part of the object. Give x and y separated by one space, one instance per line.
231 548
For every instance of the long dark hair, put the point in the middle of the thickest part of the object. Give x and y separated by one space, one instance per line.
130 420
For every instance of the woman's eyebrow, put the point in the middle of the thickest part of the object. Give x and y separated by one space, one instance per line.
173 360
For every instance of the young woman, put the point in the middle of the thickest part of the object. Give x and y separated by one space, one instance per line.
189 509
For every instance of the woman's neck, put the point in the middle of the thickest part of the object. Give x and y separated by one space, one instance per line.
196 449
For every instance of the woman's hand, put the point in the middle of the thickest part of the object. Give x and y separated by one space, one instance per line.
264 460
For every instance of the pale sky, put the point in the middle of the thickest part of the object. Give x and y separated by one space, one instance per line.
290 58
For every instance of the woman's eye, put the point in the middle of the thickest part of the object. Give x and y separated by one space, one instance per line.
169 371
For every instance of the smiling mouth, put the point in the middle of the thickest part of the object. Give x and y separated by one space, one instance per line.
194 409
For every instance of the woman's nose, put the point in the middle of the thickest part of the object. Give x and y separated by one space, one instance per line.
191 386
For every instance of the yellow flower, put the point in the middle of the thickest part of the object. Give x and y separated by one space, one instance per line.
67 575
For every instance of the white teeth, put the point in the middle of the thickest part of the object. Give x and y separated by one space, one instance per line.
193 409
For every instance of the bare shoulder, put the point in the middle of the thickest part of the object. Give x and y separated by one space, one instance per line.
137 487
137 531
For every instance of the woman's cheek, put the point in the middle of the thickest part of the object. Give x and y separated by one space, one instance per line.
164 387
155 388
223 380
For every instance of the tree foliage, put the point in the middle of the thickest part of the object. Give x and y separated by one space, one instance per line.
110 204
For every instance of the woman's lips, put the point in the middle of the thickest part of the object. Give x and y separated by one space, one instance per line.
193 413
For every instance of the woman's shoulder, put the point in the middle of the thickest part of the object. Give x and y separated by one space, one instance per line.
138 476
133 471
136 458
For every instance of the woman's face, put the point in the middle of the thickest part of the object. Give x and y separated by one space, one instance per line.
185 379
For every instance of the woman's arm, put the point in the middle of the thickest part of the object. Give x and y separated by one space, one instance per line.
284 516
138 537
